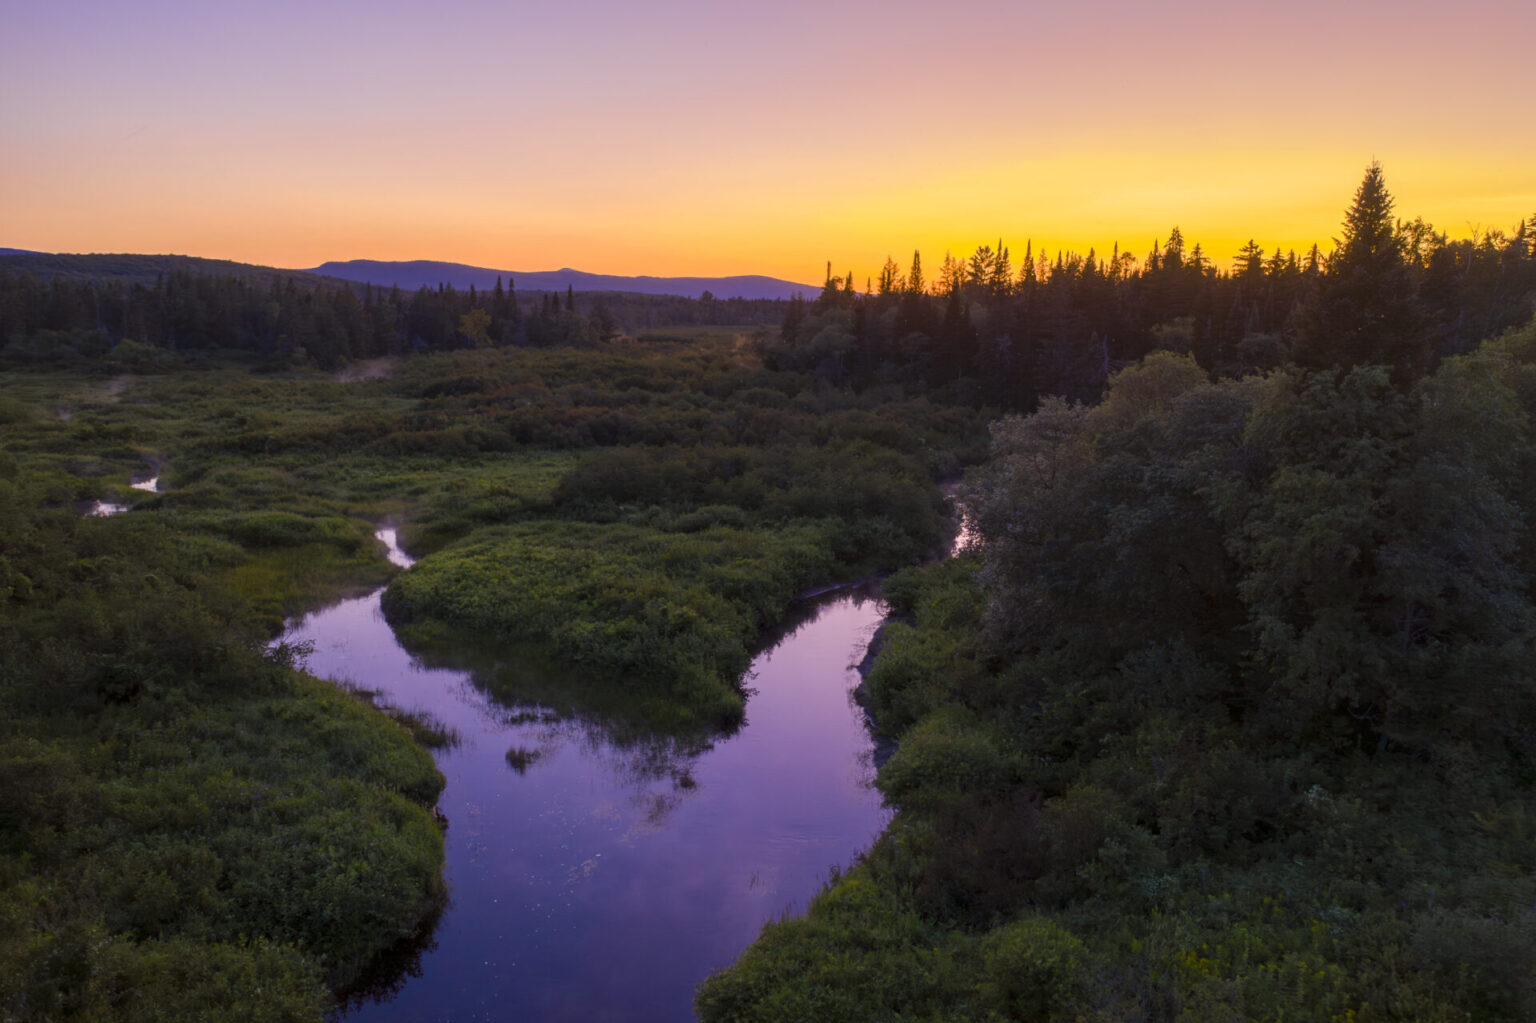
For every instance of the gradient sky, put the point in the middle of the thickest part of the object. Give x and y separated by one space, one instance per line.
697 138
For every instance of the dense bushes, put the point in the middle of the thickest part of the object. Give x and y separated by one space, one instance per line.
672 616
654 563
1242 729
188 828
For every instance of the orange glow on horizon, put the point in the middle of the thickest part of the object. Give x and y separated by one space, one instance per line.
1291 207
668 143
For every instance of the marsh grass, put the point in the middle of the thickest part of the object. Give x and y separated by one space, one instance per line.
520 758
425 727
171 791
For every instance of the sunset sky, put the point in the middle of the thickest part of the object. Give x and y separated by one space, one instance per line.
690 138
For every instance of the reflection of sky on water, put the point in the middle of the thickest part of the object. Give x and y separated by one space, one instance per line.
610 877
101 509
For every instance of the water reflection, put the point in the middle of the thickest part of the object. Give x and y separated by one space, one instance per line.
390 538
101 509
522 679
599 873
387 976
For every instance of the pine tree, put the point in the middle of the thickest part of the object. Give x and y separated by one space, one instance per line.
1198 264
1249 262
1001 282
1274 266
915 283
951 274
1367 309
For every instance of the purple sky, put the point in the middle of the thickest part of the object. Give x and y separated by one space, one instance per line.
699 138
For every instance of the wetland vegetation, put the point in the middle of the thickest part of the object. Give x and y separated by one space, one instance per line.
176 789
1228 714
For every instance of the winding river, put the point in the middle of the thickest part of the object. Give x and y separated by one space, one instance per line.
600 877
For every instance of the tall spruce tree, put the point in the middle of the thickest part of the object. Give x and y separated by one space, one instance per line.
1366 310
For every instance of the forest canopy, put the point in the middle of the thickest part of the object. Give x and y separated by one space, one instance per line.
1230 711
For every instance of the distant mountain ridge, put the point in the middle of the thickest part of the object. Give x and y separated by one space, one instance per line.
138 268
408 275
419 273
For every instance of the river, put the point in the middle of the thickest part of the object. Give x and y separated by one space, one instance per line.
596 877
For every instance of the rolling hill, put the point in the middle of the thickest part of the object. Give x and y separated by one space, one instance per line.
418 273
408 275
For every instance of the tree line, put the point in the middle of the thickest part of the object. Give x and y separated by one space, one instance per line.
1392 292
292 320
994 328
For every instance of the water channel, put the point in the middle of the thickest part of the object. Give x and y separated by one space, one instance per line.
600 877
104 508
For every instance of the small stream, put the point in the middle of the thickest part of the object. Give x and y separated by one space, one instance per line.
596 876
103 508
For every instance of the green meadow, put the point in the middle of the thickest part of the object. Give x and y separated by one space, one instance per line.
174 791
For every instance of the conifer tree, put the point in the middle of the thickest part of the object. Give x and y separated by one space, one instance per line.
978 269
1001 282
1367 309
951 274
1274 266
1249 262
1173 252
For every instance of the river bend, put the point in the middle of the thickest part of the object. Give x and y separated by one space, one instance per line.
597 878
